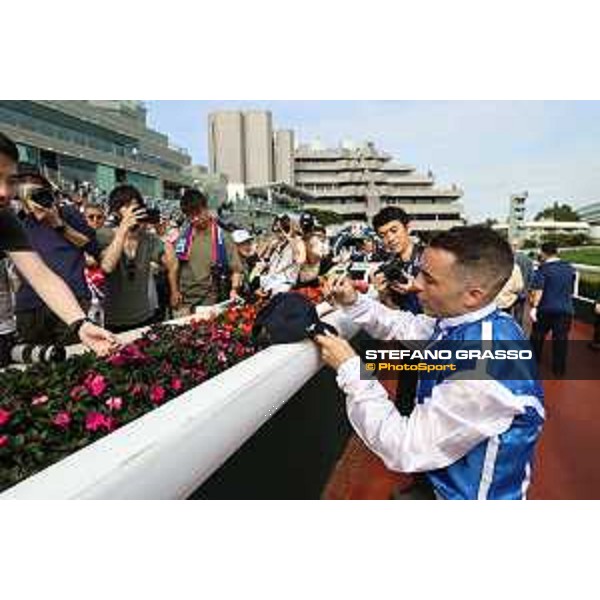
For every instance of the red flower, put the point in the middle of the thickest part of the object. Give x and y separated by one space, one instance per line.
77 392
157 394
131 353
114 403
247 328
137 389
95 384
95 421
239 350
176 384
3 440
4 416
62 419
39 400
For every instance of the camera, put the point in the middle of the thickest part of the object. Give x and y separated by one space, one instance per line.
307 223
43 197
152 216
393 271
220 279
33 353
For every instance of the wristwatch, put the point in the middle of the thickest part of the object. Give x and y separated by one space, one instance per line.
77 325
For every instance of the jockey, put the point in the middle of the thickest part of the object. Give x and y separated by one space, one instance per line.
473 438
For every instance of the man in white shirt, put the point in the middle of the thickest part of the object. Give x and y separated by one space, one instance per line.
472 438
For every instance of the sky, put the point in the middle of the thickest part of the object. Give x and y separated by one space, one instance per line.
551 149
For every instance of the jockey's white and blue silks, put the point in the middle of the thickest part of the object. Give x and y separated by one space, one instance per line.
474 438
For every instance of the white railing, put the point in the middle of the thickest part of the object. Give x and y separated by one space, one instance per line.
579 269
169 452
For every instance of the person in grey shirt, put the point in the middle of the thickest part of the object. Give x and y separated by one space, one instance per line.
127 255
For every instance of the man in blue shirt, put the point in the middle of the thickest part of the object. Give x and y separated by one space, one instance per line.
62 237
552 306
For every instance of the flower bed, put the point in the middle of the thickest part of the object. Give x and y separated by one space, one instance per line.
49 411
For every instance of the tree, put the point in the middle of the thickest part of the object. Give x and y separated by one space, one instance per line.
326 217
558 212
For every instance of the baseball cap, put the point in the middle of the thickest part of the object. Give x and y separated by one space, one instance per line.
241 235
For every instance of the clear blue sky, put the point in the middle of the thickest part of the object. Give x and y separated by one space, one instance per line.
490 149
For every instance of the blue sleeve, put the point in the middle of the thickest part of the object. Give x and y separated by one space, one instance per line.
76 220
537 280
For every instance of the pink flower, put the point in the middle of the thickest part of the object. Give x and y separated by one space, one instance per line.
95 384
157 394
3 440
95 421
77 392
4 416
176 384
62 419
128 354
114 403
137 389
39 400
221 356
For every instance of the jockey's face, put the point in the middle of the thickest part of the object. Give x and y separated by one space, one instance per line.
444 290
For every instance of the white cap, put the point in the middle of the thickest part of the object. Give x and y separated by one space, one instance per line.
240 236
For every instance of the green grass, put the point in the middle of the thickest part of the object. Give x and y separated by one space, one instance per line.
584 256
589 286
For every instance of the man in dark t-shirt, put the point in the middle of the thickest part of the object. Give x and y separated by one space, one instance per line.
15 245
552 306
62 236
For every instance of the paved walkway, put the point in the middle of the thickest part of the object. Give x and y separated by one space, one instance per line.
567 462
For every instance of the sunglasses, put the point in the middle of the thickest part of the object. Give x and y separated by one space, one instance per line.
95 217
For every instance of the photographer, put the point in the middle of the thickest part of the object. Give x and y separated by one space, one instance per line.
46 283
128 254
209 268
286 257
473 439
393 280
63 238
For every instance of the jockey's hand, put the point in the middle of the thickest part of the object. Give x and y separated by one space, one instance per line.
335 351
340 290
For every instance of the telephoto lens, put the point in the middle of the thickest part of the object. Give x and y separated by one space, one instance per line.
32 353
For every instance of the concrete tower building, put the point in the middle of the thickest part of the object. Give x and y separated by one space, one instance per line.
284 156
226 145
258 147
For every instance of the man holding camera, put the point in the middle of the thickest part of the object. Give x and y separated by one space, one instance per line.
393 280
46 283
63 238
473 439
129 253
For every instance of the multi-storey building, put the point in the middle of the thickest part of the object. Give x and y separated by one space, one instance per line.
590 213
243 147
99 142
283 152
358 181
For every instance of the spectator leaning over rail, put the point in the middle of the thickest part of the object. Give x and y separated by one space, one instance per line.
46 283
472 438
62 237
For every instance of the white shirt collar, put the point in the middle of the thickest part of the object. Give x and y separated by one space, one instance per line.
551 260
468 317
